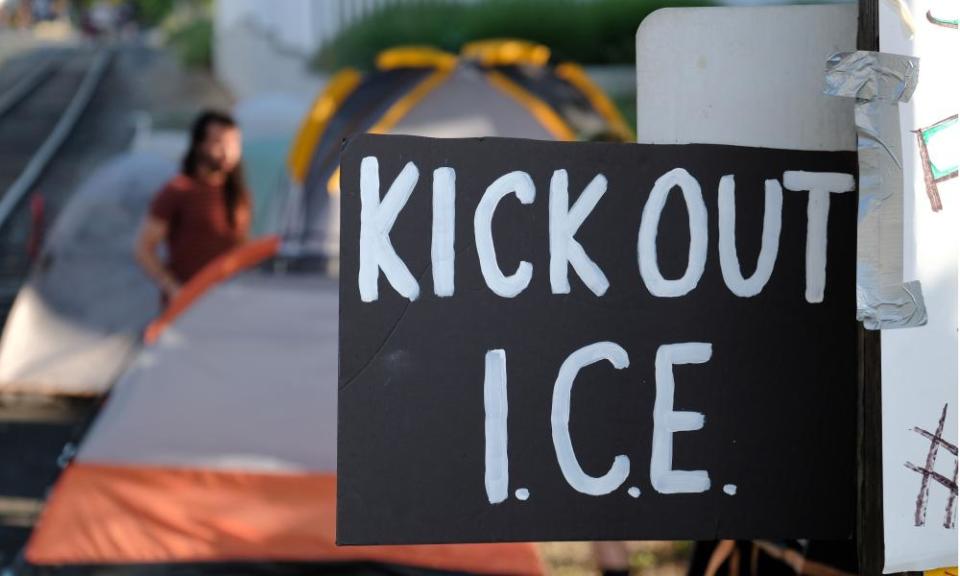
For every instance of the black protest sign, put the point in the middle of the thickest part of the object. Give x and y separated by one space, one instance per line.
551 341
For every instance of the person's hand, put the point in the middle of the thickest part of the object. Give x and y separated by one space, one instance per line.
170 289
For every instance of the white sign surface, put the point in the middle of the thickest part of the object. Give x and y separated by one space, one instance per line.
920 364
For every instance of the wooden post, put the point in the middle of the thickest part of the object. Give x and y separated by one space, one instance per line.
870 455
870 472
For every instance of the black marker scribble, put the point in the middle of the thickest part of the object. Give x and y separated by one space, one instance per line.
939 21
933 174
936 442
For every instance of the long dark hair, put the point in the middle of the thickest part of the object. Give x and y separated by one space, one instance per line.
235 185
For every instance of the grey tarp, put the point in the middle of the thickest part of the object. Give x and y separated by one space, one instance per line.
79 317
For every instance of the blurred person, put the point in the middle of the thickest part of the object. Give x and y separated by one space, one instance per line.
101 17
20 13
203 212
42 10
613 558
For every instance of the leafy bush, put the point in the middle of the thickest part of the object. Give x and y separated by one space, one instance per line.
591 32
152 12
193 43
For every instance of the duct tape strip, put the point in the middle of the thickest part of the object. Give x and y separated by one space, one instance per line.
879 82
863 75
896 306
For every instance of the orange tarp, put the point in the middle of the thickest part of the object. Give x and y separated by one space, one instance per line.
220 269
101 514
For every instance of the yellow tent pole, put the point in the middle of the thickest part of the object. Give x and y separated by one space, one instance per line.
506 52
540 110
415 57
324 107
575 75
396 112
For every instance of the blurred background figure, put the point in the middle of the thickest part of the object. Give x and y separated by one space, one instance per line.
203 212
613 558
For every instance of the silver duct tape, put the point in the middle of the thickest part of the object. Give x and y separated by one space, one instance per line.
898 306
879 82
872 76
878 152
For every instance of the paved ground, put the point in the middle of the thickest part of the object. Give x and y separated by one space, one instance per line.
140 81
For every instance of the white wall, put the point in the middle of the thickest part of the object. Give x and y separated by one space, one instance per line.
299 25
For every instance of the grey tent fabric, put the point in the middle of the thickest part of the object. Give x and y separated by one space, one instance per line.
465 104
245 379
79 318
468 105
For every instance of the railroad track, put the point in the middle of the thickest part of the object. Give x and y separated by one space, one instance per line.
38 111
54 124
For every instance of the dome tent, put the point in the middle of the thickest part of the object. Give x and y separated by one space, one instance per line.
78 319
216 450
503 88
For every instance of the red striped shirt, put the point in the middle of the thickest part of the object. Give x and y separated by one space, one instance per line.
198 230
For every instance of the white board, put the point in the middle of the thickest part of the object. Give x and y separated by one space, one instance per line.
750 76
920 364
